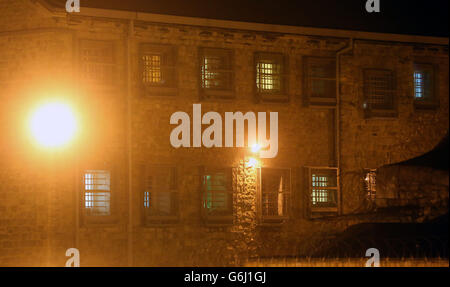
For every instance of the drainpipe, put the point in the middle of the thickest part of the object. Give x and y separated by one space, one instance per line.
347 48
129 141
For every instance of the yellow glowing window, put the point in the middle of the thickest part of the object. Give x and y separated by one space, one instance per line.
151 69
268 76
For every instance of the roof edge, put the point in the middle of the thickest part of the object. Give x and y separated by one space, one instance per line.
248 26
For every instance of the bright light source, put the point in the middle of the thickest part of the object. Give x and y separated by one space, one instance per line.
256 148
252 162
53 124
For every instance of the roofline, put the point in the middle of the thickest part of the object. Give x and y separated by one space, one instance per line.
249 26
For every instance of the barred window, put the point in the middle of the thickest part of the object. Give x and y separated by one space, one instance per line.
216 72
324 188
370 183
271 76
379 89
160 194
320 77
275 193
97 62
423 82
217 197
158 67
97 192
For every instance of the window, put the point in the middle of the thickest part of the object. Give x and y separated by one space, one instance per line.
97 192
215 72
271 79
324 189
160 195
97 62
217 196
379 91
158 68
320 81
275 193
423 84
370 183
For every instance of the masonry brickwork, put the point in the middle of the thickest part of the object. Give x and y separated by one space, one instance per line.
124 128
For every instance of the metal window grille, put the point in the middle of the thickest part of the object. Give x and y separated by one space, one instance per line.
216 70
151 69
379 89
97 192
160 192
158 67
423 82
217 193
324 188
275 192
97 62
268 76
321 77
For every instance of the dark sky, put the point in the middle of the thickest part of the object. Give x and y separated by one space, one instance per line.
419 17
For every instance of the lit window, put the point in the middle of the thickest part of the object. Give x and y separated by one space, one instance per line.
216 72
157 66
423 82
217 198
152 69
97 192
160 194
270 77
324 188
370 183
275 191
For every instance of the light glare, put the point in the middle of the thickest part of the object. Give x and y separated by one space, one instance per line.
53 125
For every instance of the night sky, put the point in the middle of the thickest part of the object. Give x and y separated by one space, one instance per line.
419 17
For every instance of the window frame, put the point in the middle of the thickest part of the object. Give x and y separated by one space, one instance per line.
221 93
218 219
317 211
97 44
309 98
373 111
281 96
273 219
168 54
152 220
88 219
433 101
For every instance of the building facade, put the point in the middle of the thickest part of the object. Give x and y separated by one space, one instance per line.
347 103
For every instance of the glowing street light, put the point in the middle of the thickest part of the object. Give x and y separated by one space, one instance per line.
53 125
256 148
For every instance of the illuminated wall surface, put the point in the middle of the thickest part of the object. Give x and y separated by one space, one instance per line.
86 159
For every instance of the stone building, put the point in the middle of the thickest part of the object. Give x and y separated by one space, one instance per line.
348 103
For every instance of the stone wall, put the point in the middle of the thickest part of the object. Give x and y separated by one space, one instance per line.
40 210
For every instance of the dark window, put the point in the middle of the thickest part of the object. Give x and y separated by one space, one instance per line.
97 62
160 194
158 69
271 78
275 193
216 72
320 77
217 196
379 91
